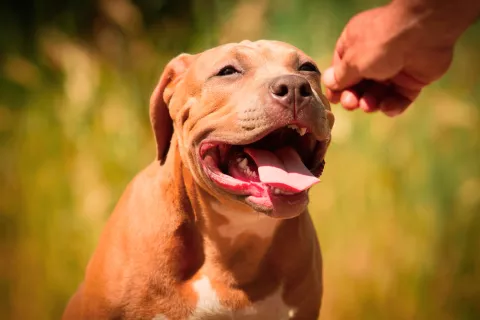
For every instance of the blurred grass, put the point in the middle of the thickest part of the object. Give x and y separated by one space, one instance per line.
398 212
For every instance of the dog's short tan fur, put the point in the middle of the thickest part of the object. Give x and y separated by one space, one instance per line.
173 227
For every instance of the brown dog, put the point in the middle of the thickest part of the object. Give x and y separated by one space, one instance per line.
217 227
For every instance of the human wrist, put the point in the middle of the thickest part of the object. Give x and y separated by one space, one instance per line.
438 22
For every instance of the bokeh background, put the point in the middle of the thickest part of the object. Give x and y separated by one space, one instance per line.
398 212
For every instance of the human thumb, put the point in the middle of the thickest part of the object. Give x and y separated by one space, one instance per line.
340 76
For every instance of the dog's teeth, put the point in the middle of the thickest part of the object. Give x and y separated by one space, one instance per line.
250 173
243 163
302 131
276 191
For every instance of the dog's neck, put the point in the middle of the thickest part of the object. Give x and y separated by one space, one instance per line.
238 239
235 239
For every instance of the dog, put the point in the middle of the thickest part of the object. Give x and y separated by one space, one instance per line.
217 227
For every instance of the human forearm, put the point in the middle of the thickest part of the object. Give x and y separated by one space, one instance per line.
440 20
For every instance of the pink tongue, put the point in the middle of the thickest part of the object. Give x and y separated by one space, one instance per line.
283 169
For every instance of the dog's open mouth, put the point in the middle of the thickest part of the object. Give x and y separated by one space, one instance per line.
284 164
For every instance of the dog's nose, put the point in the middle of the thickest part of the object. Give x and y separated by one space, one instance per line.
291 91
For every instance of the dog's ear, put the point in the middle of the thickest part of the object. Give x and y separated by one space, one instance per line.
159 114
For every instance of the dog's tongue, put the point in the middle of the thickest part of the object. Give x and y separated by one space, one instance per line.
282 169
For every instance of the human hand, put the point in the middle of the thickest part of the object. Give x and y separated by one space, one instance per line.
384 58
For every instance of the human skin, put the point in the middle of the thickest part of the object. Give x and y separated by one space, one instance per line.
386 56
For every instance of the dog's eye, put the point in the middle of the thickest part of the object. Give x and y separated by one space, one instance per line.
226 71
308 66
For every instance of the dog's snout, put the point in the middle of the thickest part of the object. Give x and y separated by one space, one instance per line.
291 91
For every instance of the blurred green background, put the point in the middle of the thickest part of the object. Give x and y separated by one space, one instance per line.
398 212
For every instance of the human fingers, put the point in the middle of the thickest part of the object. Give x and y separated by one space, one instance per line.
342 74
371 98
332 96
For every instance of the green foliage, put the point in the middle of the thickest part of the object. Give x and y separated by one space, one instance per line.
397 213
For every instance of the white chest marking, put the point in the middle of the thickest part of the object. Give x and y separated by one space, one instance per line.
239 222
208 303
209 306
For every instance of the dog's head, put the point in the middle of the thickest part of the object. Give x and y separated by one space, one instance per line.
250 120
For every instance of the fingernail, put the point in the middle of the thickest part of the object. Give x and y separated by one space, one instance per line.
349 100
391 113
368 103
328 78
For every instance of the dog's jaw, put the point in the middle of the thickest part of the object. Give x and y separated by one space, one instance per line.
245 172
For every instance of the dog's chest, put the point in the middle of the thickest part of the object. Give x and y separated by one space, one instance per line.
209 306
